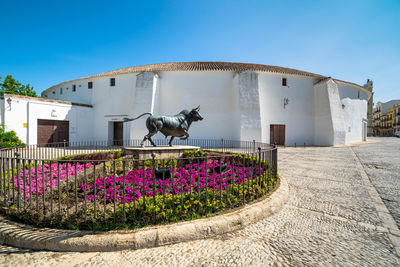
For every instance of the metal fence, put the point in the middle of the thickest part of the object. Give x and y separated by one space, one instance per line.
56 150
108 193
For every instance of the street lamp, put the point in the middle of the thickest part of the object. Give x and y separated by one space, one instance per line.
9 102
285 102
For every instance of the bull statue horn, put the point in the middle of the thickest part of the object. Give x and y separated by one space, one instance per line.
198 108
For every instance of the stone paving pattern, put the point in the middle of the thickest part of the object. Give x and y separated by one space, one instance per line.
330 220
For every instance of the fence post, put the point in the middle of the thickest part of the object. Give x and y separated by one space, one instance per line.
65 144
17 156
153 157
254 145
259 166
222 144
275 161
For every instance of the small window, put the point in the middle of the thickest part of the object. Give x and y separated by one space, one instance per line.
90 85
73 88
61 91
284 82
54 92
112 82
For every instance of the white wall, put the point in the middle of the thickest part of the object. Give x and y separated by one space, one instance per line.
29 111
110 103
15 115
143 101
348 91
355 110
298 115
1 111
249 106
82 95
323 129
337 115
211 90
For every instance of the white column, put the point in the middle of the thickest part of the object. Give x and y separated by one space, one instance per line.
248 105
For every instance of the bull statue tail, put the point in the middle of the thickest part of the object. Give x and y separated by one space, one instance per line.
127 119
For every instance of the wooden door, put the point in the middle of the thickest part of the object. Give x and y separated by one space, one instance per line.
277 134
45 131
118 133
52 131
61 132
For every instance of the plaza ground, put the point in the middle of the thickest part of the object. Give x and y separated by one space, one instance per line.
343 210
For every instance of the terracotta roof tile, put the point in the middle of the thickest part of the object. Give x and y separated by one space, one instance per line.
205 66
208 66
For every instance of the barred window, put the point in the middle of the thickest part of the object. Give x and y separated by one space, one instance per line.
90 85
73 88
284 82
112 82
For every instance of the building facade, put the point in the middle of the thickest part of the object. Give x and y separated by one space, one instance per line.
386 118
396 118
238 101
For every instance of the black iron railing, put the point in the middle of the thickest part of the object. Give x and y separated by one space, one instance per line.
56 150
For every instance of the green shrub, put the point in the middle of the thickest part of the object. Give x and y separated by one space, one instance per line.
102 155
9 139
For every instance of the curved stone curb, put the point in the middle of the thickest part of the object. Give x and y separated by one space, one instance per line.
20 235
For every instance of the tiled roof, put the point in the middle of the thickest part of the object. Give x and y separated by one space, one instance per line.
208 66
205 66
199 66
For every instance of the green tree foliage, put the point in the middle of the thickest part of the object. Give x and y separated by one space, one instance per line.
9 139
12 86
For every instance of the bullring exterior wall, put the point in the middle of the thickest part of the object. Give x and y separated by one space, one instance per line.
236 105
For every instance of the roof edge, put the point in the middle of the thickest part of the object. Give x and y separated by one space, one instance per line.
209 66
47 100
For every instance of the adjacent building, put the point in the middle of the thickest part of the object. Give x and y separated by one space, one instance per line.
386 118
239 101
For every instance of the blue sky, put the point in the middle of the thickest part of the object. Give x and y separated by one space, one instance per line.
47 42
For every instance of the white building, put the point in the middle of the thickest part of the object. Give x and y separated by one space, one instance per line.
238 101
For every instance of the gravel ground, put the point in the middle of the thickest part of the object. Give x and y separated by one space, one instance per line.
330 220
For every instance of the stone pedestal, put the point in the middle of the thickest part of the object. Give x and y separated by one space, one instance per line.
160 152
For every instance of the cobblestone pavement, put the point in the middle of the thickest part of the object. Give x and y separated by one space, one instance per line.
382 164
332 218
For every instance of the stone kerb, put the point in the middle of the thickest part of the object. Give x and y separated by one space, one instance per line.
21 235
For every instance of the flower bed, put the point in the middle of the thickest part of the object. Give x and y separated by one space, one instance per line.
191 178
107 193
34 181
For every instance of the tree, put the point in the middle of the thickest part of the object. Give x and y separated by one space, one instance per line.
9 139
12 86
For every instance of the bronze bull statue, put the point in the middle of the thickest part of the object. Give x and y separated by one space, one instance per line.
174 126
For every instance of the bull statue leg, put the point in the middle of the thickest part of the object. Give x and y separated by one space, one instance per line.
186 136
148 137
170 140
153 126
151 141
